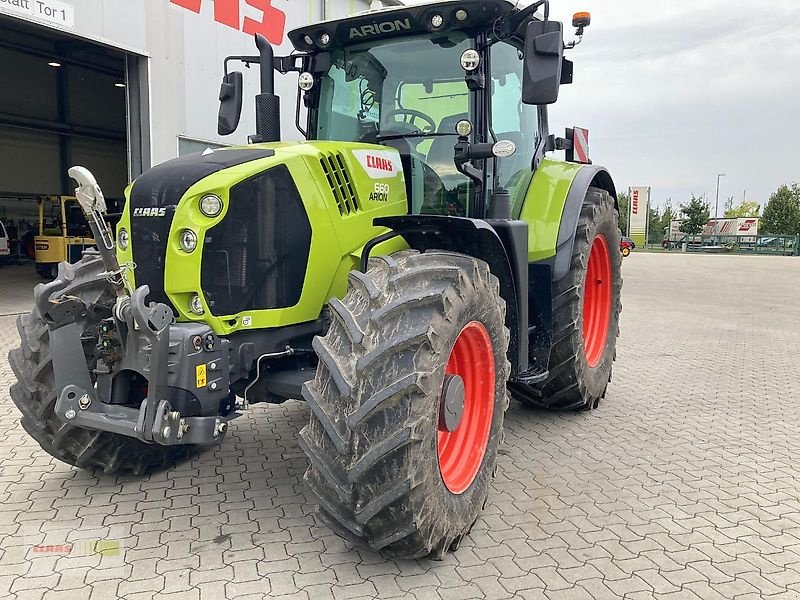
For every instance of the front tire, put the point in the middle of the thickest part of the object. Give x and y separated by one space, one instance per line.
35 391
626 252
391 465
586 308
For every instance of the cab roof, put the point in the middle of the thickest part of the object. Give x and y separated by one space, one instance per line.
397 21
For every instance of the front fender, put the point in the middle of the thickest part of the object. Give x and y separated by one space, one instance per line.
499 243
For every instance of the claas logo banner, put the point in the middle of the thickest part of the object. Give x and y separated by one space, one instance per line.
271 23
638 215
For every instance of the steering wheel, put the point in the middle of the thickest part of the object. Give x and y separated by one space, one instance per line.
409 116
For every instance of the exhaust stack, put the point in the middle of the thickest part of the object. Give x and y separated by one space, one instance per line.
268 105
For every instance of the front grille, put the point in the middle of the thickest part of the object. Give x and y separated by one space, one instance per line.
153 200
149 235
341 185
256 257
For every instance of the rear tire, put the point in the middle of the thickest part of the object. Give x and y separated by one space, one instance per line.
579 374
382 467
35 391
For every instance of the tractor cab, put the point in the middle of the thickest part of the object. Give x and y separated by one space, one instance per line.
464 103
411 93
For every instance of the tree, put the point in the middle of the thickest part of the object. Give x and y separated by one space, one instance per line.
667 217
729 204
697 215
745 209
655 234
624 206
782 212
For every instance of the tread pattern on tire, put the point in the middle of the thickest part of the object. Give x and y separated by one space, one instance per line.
35 395
571 383
375 397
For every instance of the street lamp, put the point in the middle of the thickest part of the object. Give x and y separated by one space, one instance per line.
716 207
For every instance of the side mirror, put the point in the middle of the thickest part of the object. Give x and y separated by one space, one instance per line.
230 103
544 58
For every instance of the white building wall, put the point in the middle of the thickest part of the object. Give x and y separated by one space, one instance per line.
185 53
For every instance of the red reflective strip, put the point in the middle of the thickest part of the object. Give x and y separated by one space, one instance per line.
580 142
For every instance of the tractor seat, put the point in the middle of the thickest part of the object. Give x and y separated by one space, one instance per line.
440 156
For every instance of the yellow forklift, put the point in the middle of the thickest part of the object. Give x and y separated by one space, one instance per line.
63 234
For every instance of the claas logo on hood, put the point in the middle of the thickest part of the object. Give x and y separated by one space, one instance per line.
149 212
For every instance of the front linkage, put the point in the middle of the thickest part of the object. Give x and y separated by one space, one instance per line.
137 339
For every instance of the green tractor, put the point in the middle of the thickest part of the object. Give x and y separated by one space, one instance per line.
408 266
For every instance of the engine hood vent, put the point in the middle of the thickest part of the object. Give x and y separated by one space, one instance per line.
341 183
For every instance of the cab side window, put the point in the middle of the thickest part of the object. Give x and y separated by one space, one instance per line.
512 120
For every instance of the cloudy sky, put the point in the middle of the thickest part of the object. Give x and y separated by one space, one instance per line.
676 91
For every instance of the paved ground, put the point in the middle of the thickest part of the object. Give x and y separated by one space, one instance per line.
684 483
16 288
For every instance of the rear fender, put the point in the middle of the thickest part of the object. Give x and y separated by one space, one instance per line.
588 176
552 207
501 244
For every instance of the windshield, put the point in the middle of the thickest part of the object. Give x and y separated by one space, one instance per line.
408 94
377 91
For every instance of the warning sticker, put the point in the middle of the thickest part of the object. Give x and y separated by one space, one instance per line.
201 376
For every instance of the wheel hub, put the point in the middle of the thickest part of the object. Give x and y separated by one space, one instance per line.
597 301
466 407
452 403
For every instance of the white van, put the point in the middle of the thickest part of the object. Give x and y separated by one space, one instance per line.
5 247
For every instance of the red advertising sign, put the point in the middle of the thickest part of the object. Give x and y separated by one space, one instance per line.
271 24
747 225
635 202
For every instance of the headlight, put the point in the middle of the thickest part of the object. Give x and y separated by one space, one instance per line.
464 128
305 81
196 305
123 238
437 21
188 240
470 60
210 205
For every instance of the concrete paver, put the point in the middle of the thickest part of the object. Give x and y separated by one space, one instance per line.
684 484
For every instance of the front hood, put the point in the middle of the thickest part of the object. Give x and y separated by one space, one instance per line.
152 201
294 215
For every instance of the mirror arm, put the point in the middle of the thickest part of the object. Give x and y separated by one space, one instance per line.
282 64
288 64
552 143
246 60
461 160
510 24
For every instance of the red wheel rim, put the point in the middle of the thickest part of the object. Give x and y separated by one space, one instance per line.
597 301
461 451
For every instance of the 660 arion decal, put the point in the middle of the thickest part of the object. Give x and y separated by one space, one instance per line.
271 24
